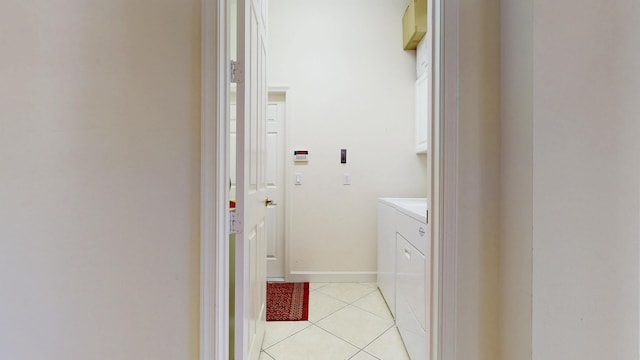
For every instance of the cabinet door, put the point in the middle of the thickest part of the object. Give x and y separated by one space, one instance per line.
423 111
411 298
416 232
422 56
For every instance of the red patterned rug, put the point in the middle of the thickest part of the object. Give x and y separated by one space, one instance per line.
287 301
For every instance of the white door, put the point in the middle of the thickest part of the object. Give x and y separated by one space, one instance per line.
275 185
251 103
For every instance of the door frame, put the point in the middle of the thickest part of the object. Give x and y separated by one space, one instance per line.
445 180
214 218
285 92
214 175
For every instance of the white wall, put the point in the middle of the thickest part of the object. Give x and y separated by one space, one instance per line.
516 179
586 179
352 86
569 195
478 179
99 187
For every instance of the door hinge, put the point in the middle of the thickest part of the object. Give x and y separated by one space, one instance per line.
236 72
235 225
427 216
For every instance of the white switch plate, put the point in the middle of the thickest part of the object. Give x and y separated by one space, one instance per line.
298 180
346 179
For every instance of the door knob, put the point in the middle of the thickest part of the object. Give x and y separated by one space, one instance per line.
268 202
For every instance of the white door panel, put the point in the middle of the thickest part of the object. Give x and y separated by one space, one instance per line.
251 180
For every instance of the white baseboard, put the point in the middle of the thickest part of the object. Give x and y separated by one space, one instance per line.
331 276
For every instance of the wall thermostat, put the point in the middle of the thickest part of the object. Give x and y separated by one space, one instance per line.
301 155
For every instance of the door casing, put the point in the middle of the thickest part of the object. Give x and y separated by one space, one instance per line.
214 194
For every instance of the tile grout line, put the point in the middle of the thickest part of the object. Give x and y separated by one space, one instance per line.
379 336
290 335
315 322
348 342
371 312
269 355
368 353
349 303
361 348
331 313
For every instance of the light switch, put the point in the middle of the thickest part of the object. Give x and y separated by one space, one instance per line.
346 179
298 179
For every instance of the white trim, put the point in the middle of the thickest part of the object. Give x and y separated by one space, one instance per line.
289 171
241 322
282 90
331 276
214 265
434 174
448 223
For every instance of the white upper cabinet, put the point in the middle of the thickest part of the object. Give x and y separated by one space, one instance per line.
423 112
422 57
423 94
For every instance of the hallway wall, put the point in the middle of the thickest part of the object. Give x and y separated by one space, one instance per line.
478 179
516 179
570 180
586 179
99 179
556 276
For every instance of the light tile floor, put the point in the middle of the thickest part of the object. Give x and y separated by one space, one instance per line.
346 321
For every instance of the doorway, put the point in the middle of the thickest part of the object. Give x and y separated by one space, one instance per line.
355 90
220 23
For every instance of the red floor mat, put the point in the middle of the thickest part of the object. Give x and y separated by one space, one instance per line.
287 301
